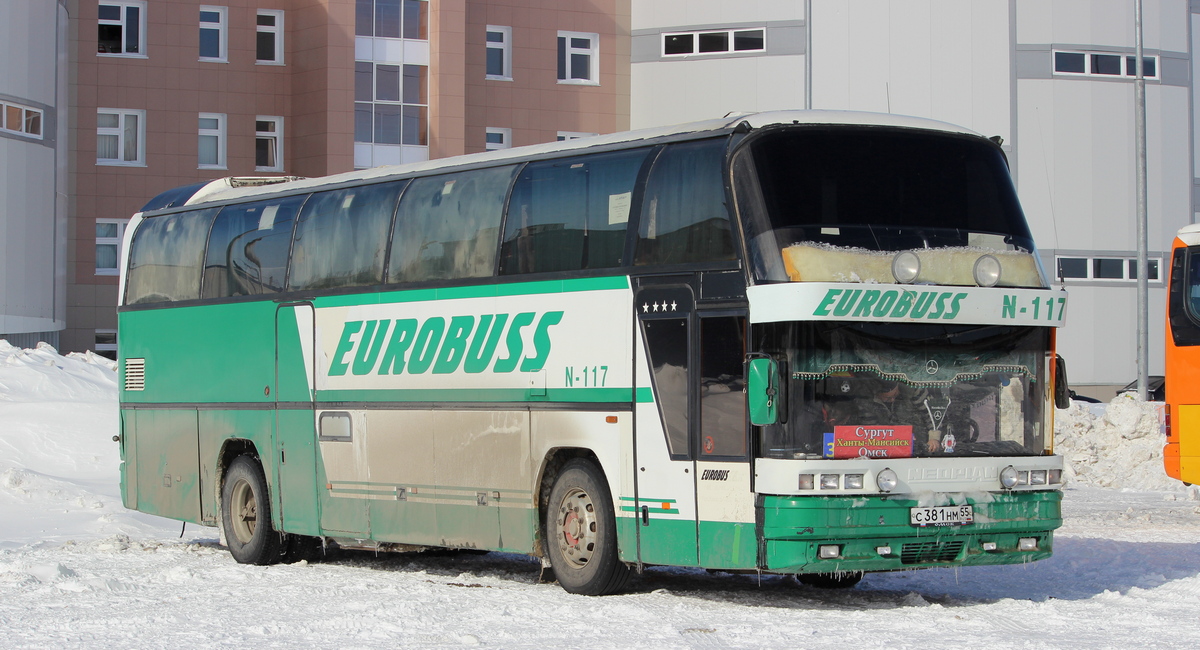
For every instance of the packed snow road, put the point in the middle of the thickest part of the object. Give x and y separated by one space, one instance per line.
77 570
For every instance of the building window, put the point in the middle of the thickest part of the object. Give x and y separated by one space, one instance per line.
120 137
578 58
391 103
268 144
1103 64
714 42
499 53
269 43
1108 268
121 28
212 141
392 18
498 138
213 33
15 118
106 344
563 136
109 235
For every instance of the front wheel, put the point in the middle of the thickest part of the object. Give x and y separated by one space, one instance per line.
581 532
246 514
840 580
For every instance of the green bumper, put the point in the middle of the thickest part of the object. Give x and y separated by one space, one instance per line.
795 527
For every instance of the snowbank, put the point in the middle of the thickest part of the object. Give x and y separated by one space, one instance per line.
59 467
43 375
1118 446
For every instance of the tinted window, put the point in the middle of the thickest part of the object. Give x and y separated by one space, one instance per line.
570 214
722 402
341 237
667 341
1107 269
248 248
1072 267
683 211
1069 62
165 258
448 226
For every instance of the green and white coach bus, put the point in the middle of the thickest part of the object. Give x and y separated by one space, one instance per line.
808 343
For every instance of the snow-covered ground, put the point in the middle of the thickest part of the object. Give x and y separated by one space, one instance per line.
79 571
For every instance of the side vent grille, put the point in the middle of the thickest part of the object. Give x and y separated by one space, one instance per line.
135 374
927 552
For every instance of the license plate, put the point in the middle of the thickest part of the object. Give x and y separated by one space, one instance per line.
941 516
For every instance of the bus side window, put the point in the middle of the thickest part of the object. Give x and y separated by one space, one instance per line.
570 214
684 218
248 248
668 343
341 237
448 226
166 256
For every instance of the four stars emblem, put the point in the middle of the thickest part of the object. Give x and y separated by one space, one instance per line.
663 306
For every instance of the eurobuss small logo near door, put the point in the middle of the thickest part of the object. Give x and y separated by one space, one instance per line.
869 441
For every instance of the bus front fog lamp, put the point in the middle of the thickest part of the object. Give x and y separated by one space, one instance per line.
1027 544
987 271
906 266
989 546
886 480
883 551
1022 478
1008 477
829 551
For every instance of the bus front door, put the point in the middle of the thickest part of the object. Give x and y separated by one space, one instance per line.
665 499
724 494
295 434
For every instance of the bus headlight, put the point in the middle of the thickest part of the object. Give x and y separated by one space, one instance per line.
906 266
987 271
853 481
886 480
1008 477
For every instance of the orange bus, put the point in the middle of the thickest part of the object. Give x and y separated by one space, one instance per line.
1181 456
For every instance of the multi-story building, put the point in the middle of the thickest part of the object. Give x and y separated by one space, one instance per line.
1054 79
171 92
33 172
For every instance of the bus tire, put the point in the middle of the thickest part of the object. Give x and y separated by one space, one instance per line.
246 514
581 532
840 580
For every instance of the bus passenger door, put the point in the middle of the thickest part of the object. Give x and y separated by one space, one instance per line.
725 521
665 490
295 436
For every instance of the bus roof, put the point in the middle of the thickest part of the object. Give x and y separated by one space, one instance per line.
222 190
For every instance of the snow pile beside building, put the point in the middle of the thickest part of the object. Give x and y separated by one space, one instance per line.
1119 447
42 374
59 466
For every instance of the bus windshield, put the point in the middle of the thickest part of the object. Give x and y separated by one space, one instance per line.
929 390
877 191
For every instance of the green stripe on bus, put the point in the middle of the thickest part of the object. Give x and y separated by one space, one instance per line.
486 291
498 395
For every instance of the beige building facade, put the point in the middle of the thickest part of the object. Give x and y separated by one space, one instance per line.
165 93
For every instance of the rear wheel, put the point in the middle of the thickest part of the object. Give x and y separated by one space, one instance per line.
246 514
581 532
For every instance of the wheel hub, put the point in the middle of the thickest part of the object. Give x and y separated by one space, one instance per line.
576 523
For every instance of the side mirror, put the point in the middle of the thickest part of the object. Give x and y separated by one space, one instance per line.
762 391
1062 393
